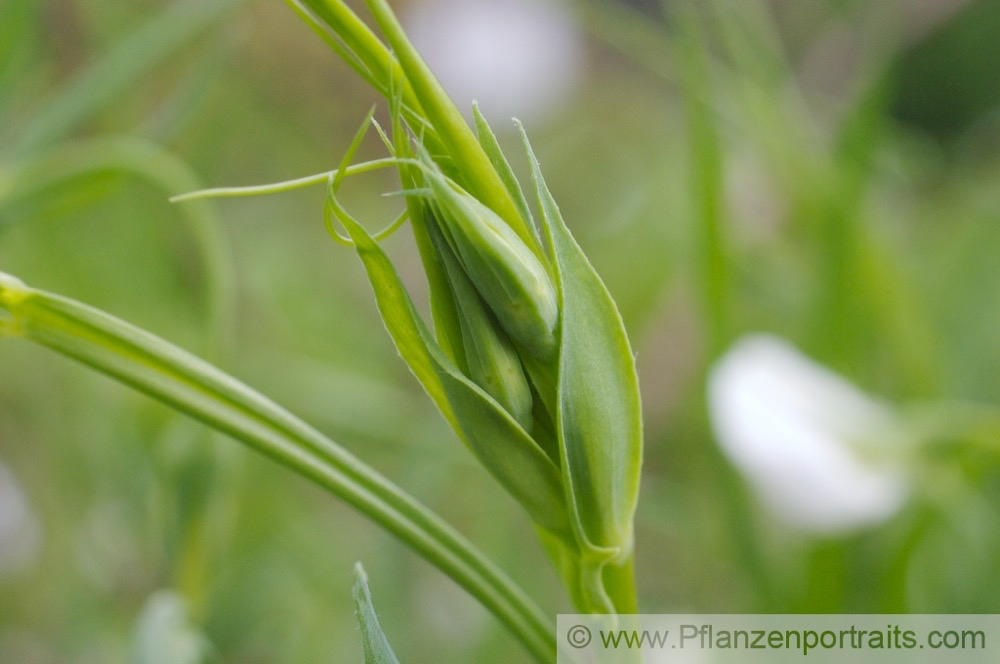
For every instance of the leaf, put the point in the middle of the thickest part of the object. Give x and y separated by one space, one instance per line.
376 646
493 436
192 386
143 159
19 27
599 414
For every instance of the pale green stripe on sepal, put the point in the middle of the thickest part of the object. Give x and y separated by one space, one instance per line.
503 447
376 646
599 414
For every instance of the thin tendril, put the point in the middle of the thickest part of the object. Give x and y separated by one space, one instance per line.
333 208
286 185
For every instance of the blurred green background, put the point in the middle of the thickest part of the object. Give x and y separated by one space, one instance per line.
826 171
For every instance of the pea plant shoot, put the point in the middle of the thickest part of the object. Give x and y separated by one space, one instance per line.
527 358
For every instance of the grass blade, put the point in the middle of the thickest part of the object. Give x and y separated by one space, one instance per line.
148 161
376 646
124 64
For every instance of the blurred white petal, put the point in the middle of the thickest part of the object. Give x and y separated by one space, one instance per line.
515 57
20 532
817 450
164 634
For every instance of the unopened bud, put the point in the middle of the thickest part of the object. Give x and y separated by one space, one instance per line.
508 275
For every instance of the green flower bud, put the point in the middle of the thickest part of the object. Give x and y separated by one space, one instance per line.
508 275
487 355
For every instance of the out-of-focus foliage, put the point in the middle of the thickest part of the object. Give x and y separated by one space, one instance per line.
730 167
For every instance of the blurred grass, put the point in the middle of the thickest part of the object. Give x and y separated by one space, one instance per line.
722 182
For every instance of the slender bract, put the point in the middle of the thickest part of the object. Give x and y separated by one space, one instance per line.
600 418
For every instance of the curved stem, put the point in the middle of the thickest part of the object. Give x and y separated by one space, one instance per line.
190 385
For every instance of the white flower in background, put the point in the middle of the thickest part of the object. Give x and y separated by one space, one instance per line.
821 454
20 532
515 57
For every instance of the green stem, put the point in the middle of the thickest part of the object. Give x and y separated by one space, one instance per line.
478 174
190 385
360 41
706 178
619 580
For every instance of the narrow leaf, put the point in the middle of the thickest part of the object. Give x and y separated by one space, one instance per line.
376 646
43 169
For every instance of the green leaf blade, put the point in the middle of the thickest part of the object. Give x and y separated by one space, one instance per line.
376 646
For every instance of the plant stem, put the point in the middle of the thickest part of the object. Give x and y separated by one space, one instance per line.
478 174
619 579
190 385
